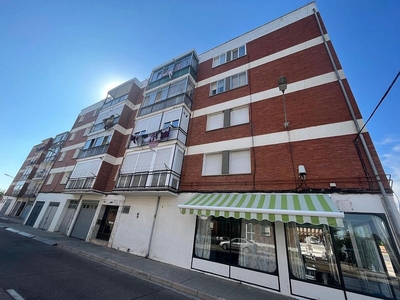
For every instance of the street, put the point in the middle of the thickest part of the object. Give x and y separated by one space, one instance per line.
35 270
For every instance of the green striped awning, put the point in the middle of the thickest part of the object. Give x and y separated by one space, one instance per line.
300 208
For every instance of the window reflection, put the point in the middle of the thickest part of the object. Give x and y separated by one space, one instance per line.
237 242
367 259
311 254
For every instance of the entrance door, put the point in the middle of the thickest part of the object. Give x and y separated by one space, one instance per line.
107 223
27 209
69 215
21 207
5 206
49 215
35 213
15 208
84 220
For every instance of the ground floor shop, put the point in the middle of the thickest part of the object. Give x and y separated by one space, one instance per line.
339 246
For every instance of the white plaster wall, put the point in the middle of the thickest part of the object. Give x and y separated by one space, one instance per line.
133 231
47 198
362 203
173 233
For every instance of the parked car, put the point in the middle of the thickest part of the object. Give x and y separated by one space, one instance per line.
239 244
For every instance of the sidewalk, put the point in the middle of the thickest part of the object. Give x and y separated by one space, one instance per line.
187 281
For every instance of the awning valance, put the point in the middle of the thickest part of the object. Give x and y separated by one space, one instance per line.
300 208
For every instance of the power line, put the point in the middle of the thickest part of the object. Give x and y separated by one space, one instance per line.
384 96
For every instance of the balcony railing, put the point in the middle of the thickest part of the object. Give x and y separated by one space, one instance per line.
154 138
114 101
80 183
176 74
151 180
183 98
93 151
100 126
31 192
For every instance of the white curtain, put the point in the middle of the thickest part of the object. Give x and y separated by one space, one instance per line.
203 238
295 257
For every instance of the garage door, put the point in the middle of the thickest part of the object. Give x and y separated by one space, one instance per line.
84 220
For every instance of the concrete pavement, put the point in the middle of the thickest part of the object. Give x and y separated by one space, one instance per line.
191 282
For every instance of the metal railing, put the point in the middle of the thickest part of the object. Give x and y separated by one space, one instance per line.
100 126
159 179
93 151
159 136
80 183
183 98
176 74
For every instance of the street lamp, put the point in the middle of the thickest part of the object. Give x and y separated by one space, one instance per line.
282 84
8 175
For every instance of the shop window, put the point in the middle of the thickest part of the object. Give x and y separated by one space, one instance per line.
367 257
311 254
226 241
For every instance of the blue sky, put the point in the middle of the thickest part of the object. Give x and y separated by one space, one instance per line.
58 57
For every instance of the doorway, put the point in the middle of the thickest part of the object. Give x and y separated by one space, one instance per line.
107 223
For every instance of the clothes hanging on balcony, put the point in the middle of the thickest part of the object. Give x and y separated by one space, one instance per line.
164 133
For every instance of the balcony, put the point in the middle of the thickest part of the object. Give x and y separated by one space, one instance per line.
114 101
100 126
84 183
148 181
168 77
31 192
93 151
183 98
154 138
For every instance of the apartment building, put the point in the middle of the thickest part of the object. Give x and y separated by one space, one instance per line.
26 185
246 161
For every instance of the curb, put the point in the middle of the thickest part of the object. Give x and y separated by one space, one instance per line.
142 275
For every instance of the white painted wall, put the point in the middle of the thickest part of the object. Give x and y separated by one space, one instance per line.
173 233
134 229
362 203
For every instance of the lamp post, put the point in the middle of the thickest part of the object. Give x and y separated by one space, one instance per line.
8 175
282 83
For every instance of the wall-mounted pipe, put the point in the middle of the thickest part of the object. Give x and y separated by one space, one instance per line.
392 214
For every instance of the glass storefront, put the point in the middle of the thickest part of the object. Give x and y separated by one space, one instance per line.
237 242
359 257
367 258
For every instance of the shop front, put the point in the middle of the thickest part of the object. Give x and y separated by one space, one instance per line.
295 244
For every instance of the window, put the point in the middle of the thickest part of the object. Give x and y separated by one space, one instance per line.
228 56
50 180
229 117
227 162
228 83
72 136
125 209
173 124
367 256
227 241
65 177
62 156
81 118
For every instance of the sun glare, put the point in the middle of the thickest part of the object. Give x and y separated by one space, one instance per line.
110 85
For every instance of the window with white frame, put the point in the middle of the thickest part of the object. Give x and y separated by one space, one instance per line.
227 162
230 55
228 83
228 117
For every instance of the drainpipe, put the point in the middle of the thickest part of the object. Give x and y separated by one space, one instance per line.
152 227
393 219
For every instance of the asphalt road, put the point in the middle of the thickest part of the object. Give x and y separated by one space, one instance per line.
37 271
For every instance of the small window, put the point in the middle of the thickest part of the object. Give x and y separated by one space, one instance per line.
72 136
227 118
65 177
62 156
126 209
229 56
50 180
81 118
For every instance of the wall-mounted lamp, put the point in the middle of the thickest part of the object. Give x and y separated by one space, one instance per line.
282 83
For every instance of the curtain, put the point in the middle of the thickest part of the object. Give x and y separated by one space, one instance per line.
294 251
203 238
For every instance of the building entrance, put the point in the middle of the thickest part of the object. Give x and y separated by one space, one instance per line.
107 223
